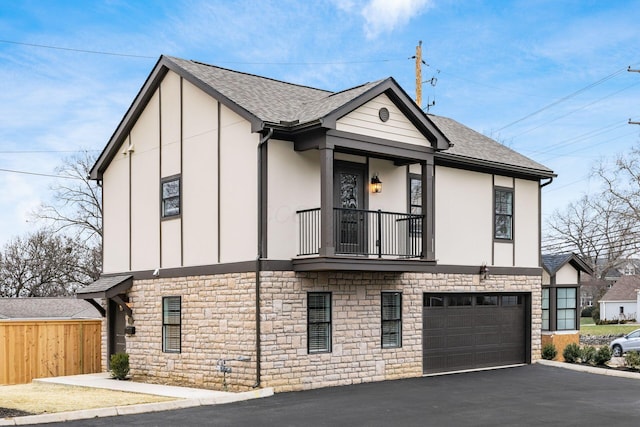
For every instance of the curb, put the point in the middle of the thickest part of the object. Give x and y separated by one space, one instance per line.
134 409
590 369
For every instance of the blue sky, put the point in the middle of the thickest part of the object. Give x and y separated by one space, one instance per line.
546 78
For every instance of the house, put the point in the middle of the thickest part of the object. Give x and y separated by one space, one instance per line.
622 300
312 238
561 299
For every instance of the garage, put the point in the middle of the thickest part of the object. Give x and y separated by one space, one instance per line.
474 330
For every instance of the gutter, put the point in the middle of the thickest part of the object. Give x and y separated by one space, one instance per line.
547 183
261 250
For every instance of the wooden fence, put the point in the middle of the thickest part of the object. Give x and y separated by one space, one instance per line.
48 348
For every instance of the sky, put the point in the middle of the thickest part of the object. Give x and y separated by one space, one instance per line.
548 78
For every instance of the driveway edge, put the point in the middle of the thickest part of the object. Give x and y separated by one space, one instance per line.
590 369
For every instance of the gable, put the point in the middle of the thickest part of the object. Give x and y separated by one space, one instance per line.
365 120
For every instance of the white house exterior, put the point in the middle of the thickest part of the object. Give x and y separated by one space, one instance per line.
622 300
239 221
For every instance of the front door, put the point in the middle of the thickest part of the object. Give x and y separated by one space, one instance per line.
116 325
349 201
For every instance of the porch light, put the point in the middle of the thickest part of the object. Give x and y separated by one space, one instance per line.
376 184
484 272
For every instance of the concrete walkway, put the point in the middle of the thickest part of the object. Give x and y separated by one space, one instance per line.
188 397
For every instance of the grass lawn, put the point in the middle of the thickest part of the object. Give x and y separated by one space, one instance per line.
587 327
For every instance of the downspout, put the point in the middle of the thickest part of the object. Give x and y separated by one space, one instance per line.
261 251
547 183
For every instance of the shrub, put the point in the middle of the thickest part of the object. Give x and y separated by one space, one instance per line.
595 315
587 311
588 354
603 355
119 366
549 351
632 360
572 353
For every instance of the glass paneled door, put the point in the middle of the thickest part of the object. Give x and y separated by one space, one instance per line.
349 201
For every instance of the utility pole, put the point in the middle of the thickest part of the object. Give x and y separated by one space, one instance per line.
419 74
633 71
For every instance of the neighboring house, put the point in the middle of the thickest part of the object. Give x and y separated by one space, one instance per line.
46 337
622 301
560 299
327 238
47 308
591 290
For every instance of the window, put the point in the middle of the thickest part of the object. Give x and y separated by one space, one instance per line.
415 202
487 300
503 214
511 300
171 310
545 309
319 322
170 197
566 311
391 319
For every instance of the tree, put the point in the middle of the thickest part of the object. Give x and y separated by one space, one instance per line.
44 264
77 206
597 228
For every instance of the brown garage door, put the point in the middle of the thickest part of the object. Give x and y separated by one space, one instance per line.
471 331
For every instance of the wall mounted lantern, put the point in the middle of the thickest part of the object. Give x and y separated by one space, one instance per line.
484 272
376 184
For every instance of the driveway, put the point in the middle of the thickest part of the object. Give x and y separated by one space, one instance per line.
523 396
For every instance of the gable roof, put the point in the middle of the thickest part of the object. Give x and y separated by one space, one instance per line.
625 289
269 103
554 262
46 308
473 147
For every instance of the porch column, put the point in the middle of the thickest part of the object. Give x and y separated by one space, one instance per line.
428 237
327 244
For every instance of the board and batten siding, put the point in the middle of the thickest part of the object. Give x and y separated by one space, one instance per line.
177 134
364 120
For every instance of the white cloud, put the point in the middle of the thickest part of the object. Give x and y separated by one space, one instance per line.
384 16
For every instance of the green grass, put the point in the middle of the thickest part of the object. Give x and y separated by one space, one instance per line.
587 327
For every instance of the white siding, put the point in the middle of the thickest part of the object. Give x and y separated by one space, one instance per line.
567 275
294 184
170 126
526 228
394 186
238 198
199 177
145 189
115 194
364 120
464 216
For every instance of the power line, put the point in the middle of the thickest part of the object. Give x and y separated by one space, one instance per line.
42 151
565 98
95 52
38 174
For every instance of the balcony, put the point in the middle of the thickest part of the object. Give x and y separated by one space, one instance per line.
362 233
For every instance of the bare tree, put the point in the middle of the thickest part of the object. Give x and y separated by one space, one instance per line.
77 206
45 264
597 228
622 181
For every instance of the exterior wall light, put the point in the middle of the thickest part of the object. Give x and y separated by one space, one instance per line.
484 272
376 184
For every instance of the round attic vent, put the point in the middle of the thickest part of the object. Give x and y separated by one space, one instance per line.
383 113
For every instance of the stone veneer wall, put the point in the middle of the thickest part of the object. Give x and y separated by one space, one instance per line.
218 321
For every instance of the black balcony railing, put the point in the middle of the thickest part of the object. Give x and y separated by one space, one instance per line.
363 232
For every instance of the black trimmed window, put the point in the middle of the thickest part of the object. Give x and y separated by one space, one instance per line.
503 200
566 309
545 309
391 319
171 324
170 197
319 322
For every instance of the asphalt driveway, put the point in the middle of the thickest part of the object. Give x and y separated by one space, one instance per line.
523 396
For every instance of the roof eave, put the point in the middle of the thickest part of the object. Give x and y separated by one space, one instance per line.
456 159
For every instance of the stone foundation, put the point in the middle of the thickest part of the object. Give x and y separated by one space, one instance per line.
218 322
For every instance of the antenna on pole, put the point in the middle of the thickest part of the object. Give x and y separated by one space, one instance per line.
419 74
631 70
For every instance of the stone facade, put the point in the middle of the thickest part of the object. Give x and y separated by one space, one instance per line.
218 322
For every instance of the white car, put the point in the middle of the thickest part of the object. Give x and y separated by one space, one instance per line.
629 342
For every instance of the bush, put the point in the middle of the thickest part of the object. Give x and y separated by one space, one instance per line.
572 353
119 366
603 355
595 315
587 311
549 351
588 354
632 360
